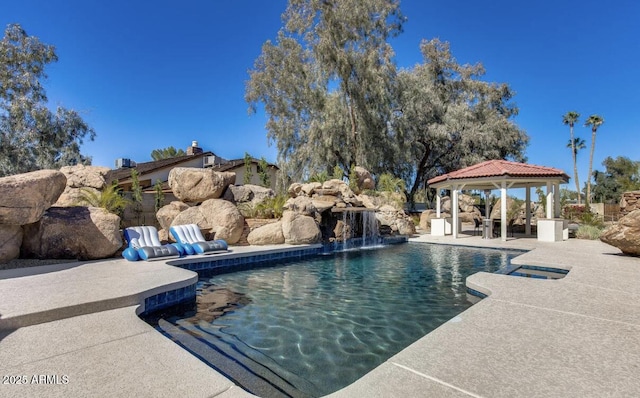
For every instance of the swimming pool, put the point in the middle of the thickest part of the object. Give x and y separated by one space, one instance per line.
311 327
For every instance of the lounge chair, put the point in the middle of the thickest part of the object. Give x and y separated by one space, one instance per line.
189 236
144 244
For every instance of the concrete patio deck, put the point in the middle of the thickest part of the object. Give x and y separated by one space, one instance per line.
577 336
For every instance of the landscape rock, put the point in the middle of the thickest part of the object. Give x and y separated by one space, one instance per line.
299 229
295 189
83 233
346 193
85 176
25 197
268 234
190 184
10 242
80 177
365 181
397 220
625 235
224 219
309 188
302 205
166 214
254 194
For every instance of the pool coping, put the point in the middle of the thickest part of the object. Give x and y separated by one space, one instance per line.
424 368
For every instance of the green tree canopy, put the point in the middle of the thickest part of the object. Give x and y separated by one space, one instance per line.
621 175
327 84
166 153
447 118
32 137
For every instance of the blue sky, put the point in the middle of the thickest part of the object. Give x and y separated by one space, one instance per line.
148 75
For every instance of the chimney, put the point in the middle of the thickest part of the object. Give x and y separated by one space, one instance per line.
194 149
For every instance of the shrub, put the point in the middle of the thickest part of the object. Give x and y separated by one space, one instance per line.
271 207
110 199
591 232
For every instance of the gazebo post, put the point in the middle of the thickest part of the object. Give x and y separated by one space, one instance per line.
556 200
454 211
527 226
438 202
549 201
503 211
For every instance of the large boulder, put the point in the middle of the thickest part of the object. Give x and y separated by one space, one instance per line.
10 241
25 197
78 177
396 220
83 233
254 194
365 181
268 234
625 235
226 221
299 229
214 216
466 203
302 205
166 214
428 215
190 184
342 187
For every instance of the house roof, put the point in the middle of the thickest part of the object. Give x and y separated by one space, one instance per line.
490 171
123 174
148 167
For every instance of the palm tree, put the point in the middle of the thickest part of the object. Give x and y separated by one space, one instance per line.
594 121
570 118
576 144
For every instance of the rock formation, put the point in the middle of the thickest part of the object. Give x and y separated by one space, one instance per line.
25 197
216 217
625 235
193 185
84 233
79 177
629 202
268 234
299 229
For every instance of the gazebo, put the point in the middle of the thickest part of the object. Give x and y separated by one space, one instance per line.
503 175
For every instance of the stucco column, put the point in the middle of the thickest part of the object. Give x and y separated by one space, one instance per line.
503 211
549 201
438 203
556 200
454 211
527 209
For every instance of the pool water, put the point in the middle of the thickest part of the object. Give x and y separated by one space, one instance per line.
311 327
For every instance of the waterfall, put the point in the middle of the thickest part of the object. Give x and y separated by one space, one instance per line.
370 233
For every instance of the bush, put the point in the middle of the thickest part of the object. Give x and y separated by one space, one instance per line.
268 209
589 232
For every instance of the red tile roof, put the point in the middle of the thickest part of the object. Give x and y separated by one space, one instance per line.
499 168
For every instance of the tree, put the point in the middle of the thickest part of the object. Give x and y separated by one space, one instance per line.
166 153
158 195
570 118
594 121
248 168
136 193
447 118
263 172
576 144
621 175
32 137
327 84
